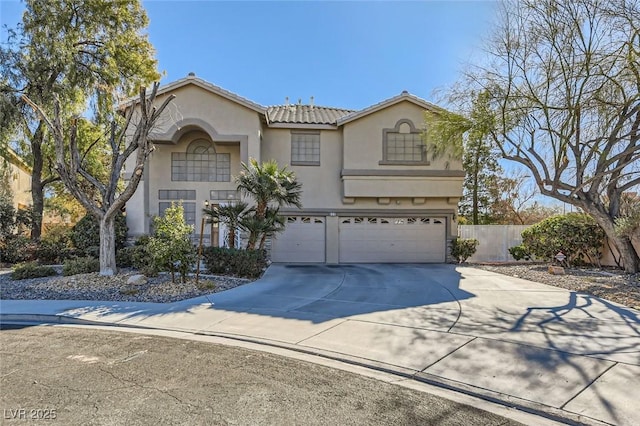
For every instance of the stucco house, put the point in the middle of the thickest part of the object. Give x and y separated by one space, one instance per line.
370 192
18 175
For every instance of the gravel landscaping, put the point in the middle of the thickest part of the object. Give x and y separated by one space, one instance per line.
608 283
158 289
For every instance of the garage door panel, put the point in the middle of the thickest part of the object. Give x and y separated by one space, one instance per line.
397 240
303 241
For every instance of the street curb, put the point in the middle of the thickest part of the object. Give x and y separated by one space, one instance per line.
509 401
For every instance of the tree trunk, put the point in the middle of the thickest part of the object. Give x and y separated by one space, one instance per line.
263 239
232 236
37 189
251 243
628 255
37 199
108 246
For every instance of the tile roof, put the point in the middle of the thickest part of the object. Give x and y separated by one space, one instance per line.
305 114
294 114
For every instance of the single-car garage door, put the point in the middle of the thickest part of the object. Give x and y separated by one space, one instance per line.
303 240
392 240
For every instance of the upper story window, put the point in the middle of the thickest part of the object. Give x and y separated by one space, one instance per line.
305 148
403 144
200 163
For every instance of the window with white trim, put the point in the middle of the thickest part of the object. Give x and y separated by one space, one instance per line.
403 144
305 148
200 163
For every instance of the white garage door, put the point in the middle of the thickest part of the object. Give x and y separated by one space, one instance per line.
392 240
302 240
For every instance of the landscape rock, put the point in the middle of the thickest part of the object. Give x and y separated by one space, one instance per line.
137 279
556 270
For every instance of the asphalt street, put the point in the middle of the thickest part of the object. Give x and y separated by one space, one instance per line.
60 375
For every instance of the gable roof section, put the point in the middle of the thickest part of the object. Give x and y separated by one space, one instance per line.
305 114
404 96
192 79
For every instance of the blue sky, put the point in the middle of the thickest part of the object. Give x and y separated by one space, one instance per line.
345 54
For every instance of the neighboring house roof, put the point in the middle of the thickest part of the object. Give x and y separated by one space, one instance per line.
404 96
305 114
192 79
13 158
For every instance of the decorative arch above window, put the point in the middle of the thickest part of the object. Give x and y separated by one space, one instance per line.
403 144
200 163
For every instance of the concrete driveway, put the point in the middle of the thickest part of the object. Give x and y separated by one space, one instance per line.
541 348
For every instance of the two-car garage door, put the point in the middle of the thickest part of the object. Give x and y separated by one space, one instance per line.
392 240
363 240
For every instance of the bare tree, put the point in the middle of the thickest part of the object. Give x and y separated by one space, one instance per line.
124 141
565 83
515 201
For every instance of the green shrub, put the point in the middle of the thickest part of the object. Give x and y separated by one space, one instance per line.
17 249
170 247
32 270
576 235
55 245
149 270
143 240
463 248
81 265
86 234
124 257
520 252
206 285
12 221
136 256
231 261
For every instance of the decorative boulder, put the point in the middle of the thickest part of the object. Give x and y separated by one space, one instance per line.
556 270
138 279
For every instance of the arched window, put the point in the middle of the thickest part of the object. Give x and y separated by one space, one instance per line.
200 163
403 144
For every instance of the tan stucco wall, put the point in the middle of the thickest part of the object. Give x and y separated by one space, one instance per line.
321 184
160 174
20 182
224 116
235 128
402 186
363 139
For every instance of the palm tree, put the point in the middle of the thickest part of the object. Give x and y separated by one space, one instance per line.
230 215
254 226
267 184
273 223
261 228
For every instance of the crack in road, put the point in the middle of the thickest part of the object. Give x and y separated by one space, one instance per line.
134 383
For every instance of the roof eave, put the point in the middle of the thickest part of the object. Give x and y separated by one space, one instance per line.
309 126
12 157
388 103
205 85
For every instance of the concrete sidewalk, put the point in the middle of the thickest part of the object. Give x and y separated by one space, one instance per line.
573 357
